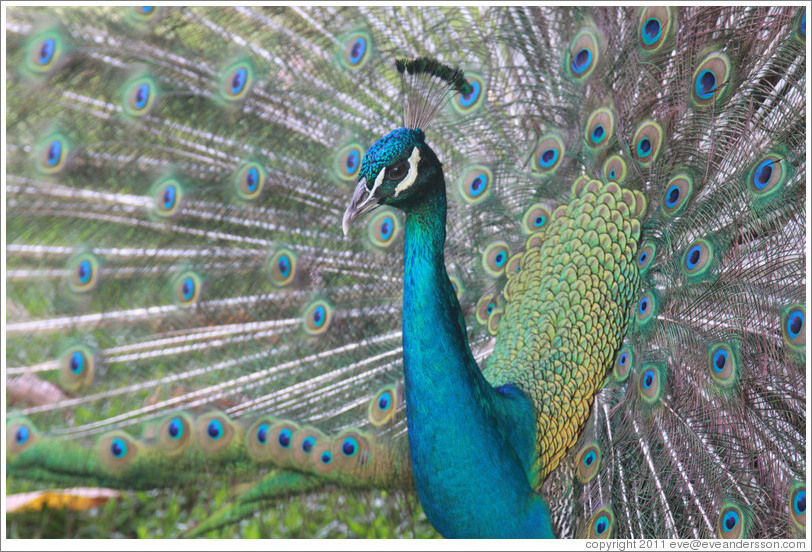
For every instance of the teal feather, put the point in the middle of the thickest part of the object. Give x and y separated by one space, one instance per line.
597 323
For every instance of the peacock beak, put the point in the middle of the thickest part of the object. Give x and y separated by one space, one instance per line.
363 201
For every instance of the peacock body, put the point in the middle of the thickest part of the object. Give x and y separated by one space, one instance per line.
596 325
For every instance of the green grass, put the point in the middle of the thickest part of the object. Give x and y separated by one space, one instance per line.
154 514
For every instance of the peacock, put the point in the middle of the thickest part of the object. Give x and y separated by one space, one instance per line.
543 266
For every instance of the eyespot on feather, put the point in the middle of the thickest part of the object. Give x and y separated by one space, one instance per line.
383 229
77 368
186 288
646 309
20 434
768 175
175 433
599 128
645 256
723 364
535 240
601 524
588 462
513 266
384 405
258 439
623 363
45 52
457 286
677 193
495 258
236 81
653 28
651 383
282 267
167 196
116 451
536 218
485 306
84 272
356 50
583 54
548 154
214 432
793 322
797 506
474 98
732 523
145 13
646 143
710 79
475 184
493 321
351 452
52 153
138 96
317 317
698 258
303 446
249 181
321 459
578 185
347 162
614 169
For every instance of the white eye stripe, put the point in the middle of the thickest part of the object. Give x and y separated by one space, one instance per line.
411 176
378 182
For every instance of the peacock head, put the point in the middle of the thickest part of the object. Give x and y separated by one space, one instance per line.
398 170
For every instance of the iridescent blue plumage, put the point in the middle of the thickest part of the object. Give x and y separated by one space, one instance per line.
471 445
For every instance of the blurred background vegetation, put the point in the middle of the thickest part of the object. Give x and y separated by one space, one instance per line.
157 514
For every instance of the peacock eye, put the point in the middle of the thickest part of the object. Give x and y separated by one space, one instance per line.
397 172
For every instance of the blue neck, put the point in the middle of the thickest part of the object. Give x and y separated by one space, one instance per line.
471 445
